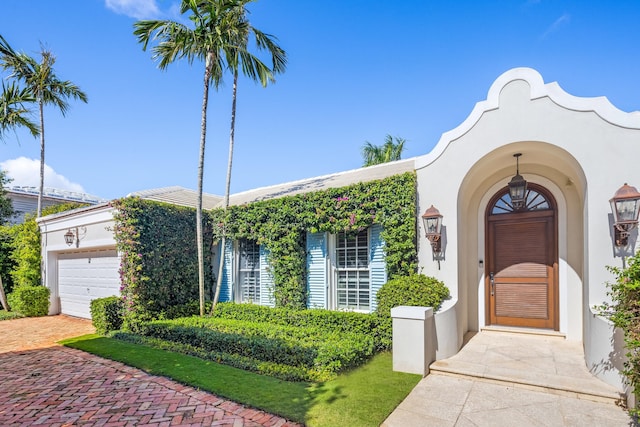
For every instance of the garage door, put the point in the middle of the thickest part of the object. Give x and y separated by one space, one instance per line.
85 276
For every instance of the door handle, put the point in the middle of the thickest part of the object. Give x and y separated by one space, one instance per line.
493 283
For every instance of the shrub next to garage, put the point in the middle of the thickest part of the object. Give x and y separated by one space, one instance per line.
30 301
159 269
106 314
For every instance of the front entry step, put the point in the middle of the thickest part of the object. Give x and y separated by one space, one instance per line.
536 362
519 330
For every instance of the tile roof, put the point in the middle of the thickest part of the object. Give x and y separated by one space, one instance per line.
178 196
335 180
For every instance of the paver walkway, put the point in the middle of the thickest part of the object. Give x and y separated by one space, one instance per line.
511 379
42 383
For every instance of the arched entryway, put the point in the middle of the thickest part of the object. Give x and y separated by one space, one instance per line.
521 277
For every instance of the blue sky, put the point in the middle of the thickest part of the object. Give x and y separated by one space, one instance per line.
358 70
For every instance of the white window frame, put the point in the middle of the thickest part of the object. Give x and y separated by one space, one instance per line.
333 289
242 293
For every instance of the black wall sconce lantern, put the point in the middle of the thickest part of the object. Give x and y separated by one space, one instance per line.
625 206
518 187
74 235
433 227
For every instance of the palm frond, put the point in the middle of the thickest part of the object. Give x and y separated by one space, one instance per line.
13 112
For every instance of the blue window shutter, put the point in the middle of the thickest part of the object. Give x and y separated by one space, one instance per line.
266 279
317 270
377 264
226 286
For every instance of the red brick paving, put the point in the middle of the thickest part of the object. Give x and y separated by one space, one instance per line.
58 386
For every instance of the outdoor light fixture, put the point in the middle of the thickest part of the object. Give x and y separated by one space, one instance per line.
69 237
625 206
517 187
74 236
433 227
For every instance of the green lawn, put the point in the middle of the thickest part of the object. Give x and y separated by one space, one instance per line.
362 397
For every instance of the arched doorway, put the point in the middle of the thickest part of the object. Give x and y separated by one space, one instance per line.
521 277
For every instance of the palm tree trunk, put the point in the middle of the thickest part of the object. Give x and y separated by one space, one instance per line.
216 296
3 297
41 191
199 237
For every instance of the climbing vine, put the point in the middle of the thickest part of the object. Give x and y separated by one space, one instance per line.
158 256
281 225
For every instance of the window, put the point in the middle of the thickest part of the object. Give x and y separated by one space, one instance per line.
352 271
248 284
534 201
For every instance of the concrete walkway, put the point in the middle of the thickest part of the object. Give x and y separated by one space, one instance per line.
42 383
512 379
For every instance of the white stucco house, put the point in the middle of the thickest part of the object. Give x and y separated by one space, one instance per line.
541 265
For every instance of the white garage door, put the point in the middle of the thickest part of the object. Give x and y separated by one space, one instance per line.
85 276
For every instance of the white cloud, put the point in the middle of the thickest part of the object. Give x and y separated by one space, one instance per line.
557 24
139 9
26 173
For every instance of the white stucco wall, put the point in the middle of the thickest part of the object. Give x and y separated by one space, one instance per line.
94 226
581 149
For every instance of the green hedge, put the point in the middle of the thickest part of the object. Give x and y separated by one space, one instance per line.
332 320
276 370
106 314
370 324
31 301
316 351
159 262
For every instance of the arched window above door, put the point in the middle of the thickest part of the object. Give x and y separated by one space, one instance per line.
535 200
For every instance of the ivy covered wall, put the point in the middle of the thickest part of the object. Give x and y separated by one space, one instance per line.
159 262
281 225
157 241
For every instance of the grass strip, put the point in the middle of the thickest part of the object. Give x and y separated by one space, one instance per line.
8 315
362 397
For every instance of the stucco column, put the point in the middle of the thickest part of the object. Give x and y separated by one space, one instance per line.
413 339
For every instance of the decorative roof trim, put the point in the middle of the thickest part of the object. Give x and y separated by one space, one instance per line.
538 89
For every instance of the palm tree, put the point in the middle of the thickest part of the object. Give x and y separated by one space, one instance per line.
42 83
13 112
388 152
211 41
256 70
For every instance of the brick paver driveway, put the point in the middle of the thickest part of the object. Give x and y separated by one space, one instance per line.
45 384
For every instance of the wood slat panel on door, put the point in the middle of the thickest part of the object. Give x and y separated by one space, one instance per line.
526 300
521 246
524 269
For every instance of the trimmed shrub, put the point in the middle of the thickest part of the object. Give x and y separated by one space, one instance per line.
276 370
31 301
328 320
415 290
370 324
106 314
315 352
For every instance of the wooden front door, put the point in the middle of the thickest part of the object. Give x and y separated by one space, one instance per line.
522 261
